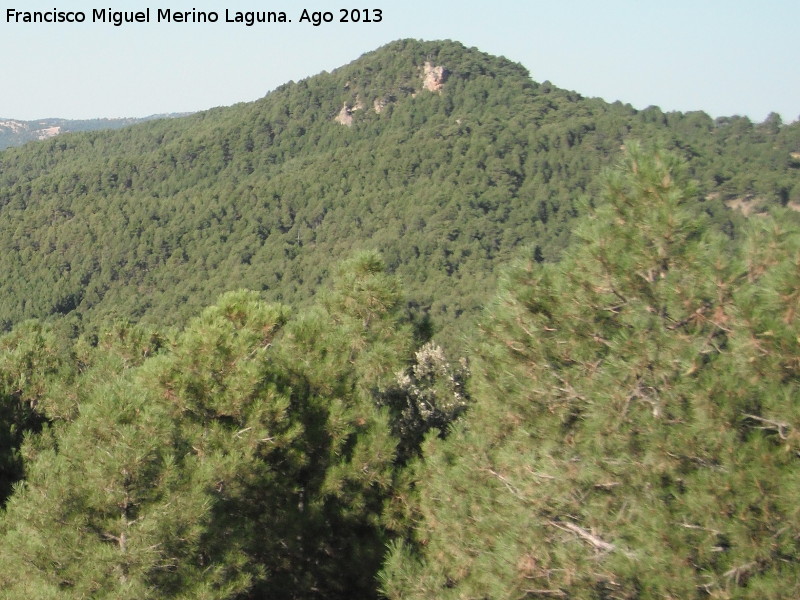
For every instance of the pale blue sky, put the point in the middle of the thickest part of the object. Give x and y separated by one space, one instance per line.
724 57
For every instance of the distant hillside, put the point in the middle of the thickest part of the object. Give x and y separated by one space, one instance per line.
447 160
14 132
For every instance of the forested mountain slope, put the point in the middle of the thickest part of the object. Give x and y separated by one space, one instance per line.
625 426
446 159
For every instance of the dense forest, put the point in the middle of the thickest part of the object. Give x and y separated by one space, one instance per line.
153 222
417 328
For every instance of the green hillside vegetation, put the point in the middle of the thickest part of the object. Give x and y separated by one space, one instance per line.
153 222
478 344
242 457
634 432
630 430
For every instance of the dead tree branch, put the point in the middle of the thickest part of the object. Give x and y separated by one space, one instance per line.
583 533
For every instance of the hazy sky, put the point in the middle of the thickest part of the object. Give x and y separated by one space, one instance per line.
725 57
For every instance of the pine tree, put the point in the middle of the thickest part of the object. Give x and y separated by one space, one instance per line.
34 359
245 456
112 506
635 418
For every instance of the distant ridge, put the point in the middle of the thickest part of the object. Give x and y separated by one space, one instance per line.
15 132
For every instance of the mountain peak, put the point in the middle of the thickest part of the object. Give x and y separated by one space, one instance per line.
405 68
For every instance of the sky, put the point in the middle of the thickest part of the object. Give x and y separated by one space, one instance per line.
732 57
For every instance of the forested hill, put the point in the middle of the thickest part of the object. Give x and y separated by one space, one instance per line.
447 160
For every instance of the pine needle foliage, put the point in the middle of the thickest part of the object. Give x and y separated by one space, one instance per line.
244 456
634 432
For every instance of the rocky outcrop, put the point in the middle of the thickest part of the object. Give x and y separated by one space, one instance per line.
47 132
345 116
433 77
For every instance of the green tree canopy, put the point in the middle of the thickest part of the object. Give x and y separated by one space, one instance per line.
635 426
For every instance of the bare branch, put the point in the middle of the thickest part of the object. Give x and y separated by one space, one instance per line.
557 593
699 528
779 427
740 572
507 483
539 475
580 531
609 485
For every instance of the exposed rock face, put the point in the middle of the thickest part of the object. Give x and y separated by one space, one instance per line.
29 128
345 116
14 126
48 132
433 77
